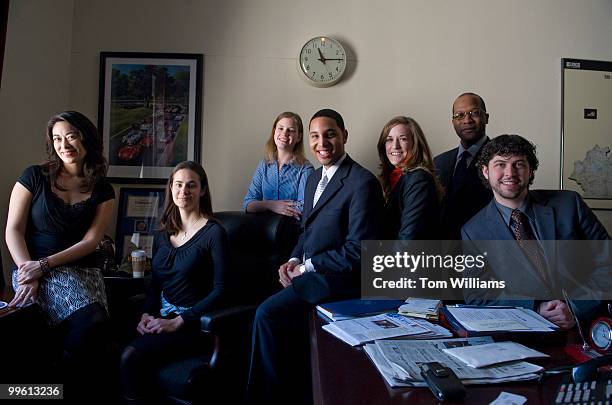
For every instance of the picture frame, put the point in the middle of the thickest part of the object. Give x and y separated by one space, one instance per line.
139 212
586 130
149 113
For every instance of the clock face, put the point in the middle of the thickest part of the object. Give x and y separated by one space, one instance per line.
601 335
322 61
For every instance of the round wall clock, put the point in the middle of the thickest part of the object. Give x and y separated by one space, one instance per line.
322 61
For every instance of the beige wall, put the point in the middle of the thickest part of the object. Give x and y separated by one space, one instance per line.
35 83
409 57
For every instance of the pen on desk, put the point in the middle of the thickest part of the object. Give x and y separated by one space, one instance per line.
570 305
480 306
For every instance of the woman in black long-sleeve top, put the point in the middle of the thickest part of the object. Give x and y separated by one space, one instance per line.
189 278
407 176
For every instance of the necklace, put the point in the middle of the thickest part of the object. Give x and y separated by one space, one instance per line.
192 226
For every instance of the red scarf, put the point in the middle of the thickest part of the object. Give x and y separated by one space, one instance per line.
394 177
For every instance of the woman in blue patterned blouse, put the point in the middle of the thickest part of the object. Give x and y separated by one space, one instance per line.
279 180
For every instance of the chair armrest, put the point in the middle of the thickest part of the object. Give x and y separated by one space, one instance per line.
227 318
137 299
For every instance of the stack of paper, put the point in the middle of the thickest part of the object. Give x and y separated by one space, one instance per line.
485 320
421 308
435 331
398 360
361 330
349 309
492 353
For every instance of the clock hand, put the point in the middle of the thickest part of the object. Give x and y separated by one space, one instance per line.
335 59
322 59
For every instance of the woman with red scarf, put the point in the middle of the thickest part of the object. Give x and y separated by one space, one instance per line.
411 189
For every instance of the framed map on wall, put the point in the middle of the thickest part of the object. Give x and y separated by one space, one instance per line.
586 130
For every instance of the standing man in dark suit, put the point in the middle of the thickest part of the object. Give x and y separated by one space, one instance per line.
534 269
343 205
464 193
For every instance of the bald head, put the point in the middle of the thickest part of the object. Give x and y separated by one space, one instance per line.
470 118
481 102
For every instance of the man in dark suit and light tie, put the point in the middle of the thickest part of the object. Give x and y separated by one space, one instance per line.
536 270
464 193
343 205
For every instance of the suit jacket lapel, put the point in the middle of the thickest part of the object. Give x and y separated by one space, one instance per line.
545 222
311 187
544 218
497 227
472 168
518 263
450 168
333 186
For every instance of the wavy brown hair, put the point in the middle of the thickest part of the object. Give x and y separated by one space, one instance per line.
419 155
270 149
171 218
94 164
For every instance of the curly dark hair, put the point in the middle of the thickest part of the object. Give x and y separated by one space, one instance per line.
94 164
508 145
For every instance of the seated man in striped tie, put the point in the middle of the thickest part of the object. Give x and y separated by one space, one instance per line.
537 271
343 205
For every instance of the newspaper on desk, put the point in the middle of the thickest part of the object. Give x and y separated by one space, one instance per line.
483 319
398 360
361 330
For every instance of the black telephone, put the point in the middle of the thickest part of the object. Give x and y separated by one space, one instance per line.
597 391
587 386
442 381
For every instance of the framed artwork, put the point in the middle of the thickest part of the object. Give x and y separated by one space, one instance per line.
586 130
149 113
140 210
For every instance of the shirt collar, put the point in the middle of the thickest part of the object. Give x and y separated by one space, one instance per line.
333 169
506 212
292 162
472 149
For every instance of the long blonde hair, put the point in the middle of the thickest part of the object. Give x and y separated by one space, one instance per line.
270 150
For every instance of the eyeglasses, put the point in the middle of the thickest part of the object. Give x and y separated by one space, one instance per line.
461 115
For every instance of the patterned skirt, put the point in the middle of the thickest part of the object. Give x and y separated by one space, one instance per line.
67 289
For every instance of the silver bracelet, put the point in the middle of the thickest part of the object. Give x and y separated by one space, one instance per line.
44 265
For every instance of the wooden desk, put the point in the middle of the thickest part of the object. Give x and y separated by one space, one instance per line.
6 295
23 330
344 375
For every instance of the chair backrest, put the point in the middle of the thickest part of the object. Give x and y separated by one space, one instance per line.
2 284
259 244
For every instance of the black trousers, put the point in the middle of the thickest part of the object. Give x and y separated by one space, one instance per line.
144 356
280 360
84 361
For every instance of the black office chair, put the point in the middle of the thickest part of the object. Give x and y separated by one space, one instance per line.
259 244
2 282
